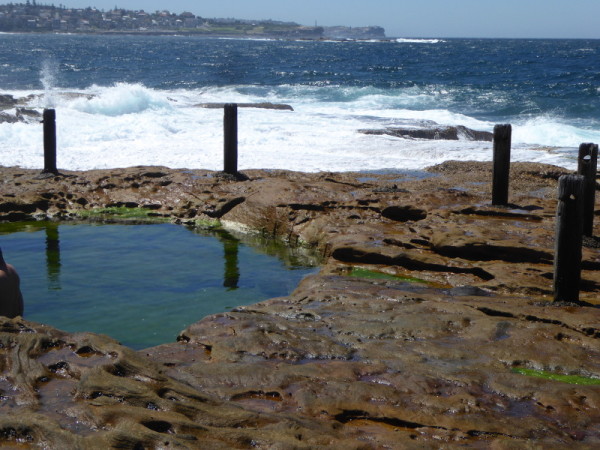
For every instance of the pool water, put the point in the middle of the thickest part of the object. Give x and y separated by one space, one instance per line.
142 284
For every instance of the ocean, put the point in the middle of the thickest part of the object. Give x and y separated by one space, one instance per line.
134 100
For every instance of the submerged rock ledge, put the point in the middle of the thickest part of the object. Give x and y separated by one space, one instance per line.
422 330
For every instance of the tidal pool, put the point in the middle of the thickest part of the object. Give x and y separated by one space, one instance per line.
143 284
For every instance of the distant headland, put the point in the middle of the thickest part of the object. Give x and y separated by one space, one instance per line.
38 18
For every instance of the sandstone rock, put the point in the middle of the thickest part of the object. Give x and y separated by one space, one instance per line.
433 350
418 365
87 391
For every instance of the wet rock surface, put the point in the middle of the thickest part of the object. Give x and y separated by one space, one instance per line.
87 391
25 115
7 101
433 131
262 105
13 110
418 332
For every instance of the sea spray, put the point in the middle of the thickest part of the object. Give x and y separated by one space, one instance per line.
48 76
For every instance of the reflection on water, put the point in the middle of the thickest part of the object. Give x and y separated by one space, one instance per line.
143 284
53 255
232 271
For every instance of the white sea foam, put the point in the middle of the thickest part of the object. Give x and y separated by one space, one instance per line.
419 41
548 131
129 124
119 100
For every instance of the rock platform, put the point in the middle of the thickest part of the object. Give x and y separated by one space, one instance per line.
430 324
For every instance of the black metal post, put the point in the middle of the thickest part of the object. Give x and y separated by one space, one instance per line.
49 141
502 143
230 132
569 236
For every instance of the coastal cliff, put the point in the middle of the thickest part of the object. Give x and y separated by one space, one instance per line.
33 17
354 33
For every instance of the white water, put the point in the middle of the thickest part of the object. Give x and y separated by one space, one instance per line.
129 124
418 41
48 76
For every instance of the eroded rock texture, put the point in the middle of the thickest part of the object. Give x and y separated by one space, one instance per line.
346 361
397 363
87 391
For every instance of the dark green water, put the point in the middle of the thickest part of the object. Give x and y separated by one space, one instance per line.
142 284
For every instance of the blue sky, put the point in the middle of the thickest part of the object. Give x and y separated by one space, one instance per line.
414 18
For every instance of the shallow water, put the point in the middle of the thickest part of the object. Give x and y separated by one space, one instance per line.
141 284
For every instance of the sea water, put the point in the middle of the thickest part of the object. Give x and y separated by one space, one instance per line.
142 284
133 100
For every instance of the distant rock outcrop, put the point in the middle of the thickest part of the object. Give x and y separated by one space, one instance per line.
26 115
374 32
449 133
263 105
7 101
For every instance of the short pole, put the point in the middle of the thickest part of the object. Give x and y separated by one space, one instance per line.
49 119
569 236
501 170
230 131
587 165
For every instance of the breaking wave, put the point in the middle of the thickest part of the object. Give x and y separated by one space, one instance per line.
419 41
121 99
130 124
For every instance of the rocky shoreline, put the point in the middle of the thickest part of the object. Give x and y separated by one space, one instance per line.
430 324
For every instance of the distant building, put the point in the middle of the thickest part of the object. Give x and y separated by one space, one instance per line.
31 17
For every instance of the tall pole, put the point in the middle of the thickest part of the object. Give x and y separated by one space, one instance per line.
502 143
569 236
587 165
230 132
49 119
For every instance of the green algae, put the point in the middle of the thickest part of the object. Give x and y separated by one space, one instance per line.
208 224
16 227
122 213
375 275
570 379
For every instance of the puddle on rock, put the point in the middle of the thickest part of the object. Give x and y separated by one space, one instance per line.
143 284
